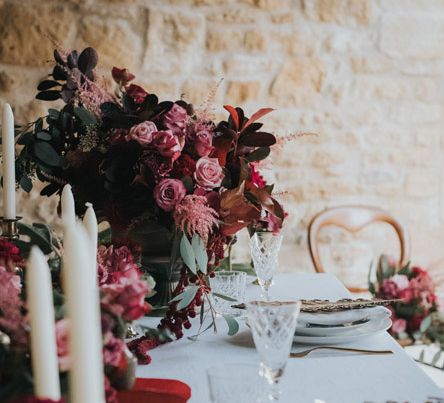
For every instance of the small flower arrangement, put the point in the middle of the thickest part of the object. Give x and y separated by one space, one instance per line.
123 291
412 317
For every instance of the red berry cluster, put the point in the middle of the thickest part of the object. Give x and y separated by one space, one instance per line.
175 320
140 347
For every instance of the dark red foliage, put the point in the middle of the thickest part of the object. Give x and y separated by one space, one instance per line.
122 76
184 166
136 92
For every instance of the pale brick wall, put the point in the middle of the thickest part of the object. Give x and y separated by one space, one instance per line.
366 75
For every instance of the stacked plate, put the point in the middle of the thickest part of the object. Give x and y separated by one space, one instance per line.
341 327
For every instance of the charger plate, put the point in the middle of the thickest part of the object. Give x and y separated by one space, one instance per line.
371 328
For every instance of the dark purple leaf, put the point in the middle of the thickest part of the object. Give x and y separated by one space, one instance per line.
259 154
258 139
66 94
47 84
241 115
48 95
49 190
59 73
73 58
88 60
58 57
251 128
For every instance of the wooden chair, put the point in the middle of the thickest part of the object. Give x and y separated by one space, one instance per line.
353 219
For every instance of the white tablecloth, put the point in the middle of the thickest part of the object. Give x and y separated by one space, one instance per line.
331 378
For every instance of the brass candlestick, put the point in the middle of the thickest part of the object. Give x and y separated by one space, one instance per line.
10 228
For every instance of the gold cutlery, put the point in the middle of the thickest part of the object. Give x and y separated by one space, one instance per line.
304 353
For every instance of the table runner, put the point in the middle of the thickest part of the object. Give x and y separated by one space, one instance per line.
333 378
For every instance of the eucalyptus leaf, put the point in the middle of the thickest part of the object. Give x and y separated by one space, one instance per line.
194 337
85 116
425 324
233 326
182 294
46 153
43 136
26 184
36 236
200 253
225 297
53 113
187 254
202 311
187 297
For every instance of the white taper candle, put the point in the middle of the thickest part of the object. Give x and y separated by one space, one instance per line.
68 206
8 155
90 222
43 337
86 378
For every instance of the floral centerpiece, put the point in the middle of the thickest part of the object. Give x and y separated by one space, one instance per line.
164 174
122 289
412 317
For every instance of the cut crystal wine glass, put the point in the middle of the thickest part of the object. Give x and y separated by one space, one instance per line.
273 325
236 383
264 247
231 284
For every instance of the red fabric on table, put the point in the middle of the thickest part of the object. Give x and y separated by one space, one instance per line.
156 391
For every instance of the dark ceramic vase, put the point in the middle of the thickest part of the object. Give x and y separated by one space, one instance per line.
156 243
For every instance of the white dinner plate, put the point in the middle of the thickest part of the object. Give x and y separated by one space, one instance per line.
334 330
369 329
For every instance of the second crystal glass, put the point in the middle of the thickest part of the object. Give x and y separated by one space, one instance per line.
264 247
273 325
231 284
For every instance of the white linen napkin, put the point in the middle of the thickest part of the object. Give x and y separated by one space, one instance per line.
342 317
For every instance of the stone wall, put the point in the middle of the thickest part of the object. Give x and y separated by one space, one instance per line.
365 75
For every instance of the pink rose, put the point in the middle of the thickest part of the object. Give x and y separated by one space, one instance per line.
175 120
401 281
209 173
389 289
62 337
167 144
142 133
125 298
407 294
203 143
169 192
399 325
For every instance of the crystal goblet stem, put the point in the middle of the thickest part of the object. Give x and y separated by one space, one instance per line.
264 247
273 325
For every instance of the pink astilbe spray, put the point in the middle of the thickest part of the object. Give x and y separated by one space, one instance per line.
193 216
91 94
